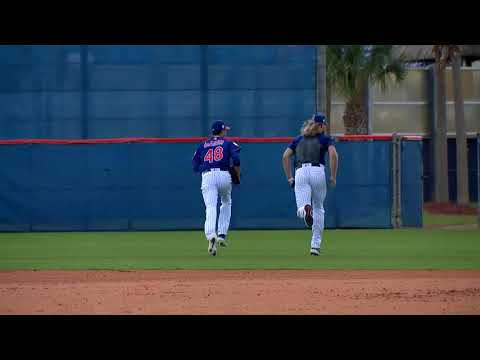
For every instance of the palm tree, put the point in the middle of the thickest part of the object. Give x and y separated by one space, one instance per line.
350 69
461 132
440 163
450 55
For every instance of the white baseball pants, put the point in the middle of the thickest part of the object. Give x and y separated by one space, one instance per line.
311 189
215 183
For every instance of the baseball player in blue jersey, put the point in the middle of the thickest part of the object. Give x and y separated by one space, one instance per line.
214 159
309 182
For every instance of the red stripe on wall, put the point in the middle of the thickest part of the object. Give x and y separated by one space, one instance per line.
364 138
413 138
190 140
137 140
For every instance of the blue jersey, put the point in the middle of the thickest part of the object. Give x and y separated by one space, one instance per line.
216 152
313 149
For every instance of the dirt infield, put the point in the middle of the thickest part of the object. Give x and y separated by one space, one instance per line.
240 292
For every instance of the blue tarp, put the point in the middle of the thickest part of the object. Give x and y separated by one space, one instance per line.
108 91
151 186
412 184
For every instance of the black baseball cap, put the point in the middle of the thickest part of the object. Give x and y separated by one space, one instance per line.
320 118
218 126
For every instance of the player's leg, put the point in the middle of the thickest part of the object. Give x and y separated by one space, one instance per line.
210 197
225 192
303 195
319 192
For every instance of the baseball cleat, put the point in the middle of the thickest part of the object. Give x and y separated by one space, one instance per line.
314 252
212 246
222 241
308 218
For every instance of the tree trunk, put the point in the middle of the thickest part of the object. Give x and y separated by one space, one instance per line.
440 137
355 118
461 139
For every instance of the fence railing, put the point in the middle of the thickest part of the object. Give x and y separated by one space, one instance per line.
125 184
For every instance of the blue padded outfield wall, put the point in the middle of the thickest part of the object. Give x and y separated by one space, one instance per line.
131 186
164 91
412 183
108 91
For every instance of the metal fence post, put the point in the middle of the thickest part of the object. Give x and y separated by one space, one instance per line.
85 88
397 181
204 88
321 81
370 108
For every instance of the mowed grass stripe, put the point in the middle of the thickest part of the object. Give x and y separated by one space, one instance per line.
342 249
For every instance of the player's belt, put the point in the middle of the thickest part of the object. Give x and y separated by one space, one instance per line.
309 165
215 169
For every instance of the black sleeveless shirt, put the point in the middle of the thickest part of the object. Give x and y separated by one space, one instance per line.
311 149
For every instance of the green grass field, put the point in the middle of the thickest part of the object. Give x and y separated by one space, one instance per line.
430 220
429 248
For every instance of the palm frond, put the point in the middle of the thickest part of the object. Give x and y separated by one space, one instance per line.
344 68
350 65
393 69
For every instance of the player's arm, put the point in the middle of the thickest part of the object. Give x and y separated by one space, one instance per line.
235 151
237 170
196 161
287 155
333 156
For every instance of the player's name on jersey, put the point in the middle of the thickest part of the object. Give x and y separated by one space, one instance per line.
213 143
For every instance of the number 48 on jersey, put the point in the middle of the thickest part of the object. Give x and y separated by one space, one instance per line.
214 155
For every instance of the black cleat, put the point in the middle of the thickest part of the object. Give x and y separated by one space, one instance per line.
212 246
308 218
222 241
315 252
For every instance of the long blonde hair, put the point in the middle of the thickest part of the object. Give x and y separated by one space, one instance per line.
309 128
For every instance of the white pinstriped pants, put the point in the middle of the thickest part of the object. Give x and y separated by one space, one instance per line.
215 183
311 189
